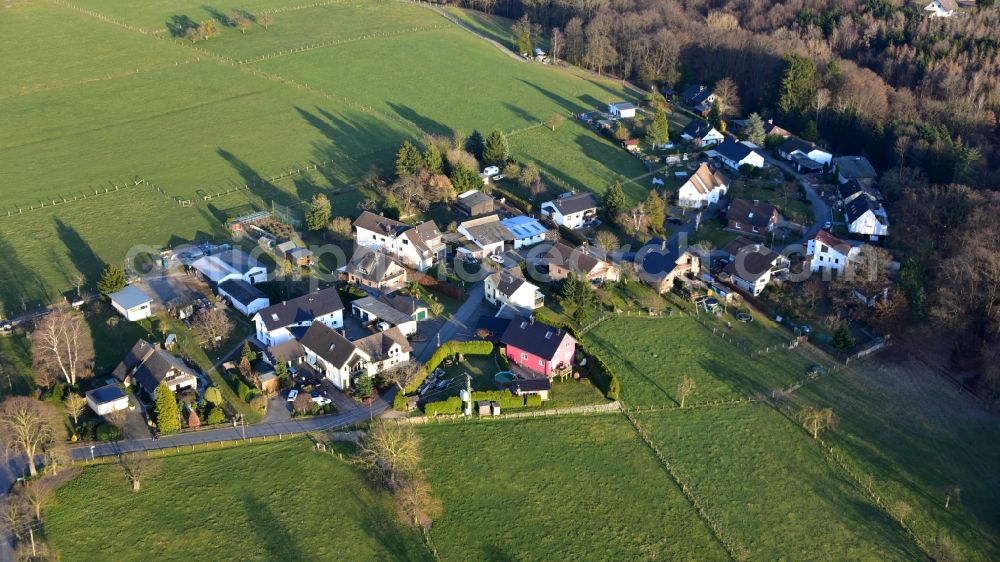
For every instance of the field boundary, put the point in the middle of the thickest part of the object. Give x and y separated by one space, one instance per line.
335 42
590 409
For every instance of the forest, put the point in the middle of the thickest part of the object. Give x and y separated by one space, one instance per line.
918 96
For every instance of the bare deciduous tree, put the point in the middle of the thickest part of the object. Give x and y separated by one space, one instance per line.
62 347
75 404
134 467
951 493
606 241
265 20
212 325
390 451
816 419
403 375
684 389
417 505
26 426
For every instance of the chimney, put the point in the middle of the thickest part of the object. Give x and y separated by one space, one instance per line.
284 303
663 244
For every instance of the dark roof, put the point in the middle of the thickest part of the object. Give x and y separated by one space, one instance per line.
657 259
805 162
575 203
755 214
376 223
329 345
492 324
795 143
733 149
241 291
106 394
853 186
377 345
301 309
287 351
473 199
403 303
752 261
149 365
861 205
534 337
371 265
696 94
530 385
855 167
508 282
573 259
697 128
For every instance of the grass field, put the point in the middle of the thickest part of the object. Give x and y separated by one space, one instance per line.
16 376
281 501
194 124
578 488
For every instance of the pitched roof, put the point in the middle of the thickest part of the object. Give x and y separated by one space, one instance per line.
855 167
223 264
369 264
795 143
508 281
105 394
130 297
575 203
377 345
327 344
733 150
287 351
658 259
696 94
422 235
377 223
473 198
771 129
754 214
704 180
752 262
697 128
832 241
487 230
241 291
301 309
574 259
861 205
492 324
852 187
523 226
149 365
534 337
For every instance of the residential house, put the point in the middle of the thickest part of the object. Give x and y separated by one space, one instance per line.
294 253
854 168
132 303
770 129
572 211
621 110
418 247
806 157
107 399
631 145
703 188
699 98
563 260
661 264
485 236
386 350
701 134
230 264
401 311
866 217
853 189
752 217
539 348
243 296
941 8
736 154
827 253
527 231
509 288
147 365
374 269
474 203
754 265
290 319
332 355
290 352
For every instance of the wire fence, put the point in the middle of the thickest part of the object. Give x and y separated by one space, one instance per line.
335 42
113 186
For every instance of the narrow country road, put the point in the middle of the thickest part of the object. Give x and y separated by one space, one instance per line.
461 319
821 211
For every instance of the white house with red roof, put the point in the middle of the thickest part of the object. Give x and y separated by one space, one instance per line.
826 252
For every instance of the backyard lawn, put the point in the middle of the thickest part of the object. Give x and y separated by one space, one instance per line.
279 501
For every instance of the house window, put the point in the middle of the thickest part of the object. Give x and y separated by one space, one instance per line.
524 356
541 362
738 225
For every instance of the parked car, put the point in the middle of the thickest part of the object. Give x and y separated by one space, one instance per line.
292 394
828 225
321 400
497 259
383 326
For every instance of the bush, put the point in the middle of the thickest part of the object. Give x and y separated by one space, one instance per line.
447 349
242 390
533 401
572 236
513 200
259 403
188 397
107 432
215 415
399 402
451 406
502 359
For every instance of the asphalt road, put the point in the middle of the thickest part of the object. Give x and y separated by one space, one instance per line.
821 211
461 320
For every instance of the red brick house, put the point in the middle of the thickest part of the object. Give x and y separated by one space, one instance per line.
538 347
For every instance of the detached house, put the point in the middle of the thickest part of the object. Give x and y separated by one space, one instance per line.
148 365
752 217
827 253
853 189
866 217
527 231
539 348
735 154
754 265
699 98
243 296
662 263
385 350
485 236
563 260
941 8
333 355
371 268
400 311
288 320
572 211
703 188
621 110
700 133
510 288
418 247
806 157
132 303
854 168
230 264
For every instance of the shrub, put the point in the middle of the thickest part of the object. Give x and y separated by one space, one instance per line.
213 396
451 406
215 415
447 349
188 397
259 403
502 359
107 432
399 402
533 401
242 390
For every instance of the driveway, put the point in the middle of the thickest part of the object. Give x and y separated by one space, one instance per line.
463 320
821 210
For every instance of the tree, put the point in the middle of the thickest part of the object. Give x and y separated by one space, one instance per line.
390 451
168 417
240 21
403 375
797 86
816 419
754 130
14 515
248 353
265 20
614 200
728 95
715 117
215 415
684 389
416 504
318 215
606 241
433 160
496 151
842 338
475 145
134 467
281 373
303 403
902 511
658 131
364 386
521 31
556 43
621 132
27 427
529 175
656 211
341 227
464 179
212 325
37 494
213 396
408 160
555 120
810 132
112 280
62 347
193 421
75 404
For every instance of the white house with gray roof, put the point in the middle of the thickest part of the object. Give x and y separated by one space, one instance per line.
288 320
510 288
132 303
418 247
571 211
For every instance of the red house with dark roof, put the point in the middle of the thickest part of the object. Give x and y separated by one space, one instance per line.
538 347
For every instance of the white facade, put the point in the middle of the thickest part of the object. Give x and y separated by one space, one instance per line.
132 303
621 110
868 224
702 188
938 10
104 408
527 231
276 336
135 313
525 297
248 309
340 376
834 257
712 137
753 158
400 247
572 221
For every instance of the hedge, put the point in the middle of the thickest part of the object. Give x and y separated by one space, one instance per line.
504 362
399 402
514 200
571 235
447 349
451 406
599 372
506 399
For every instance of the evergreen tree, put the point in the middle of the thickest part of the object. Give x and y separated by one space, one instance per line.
810 132
474 145
715 117
408 160
213 396
798 86
496 151
521 30
656 211
281 372
658 131
112 280
364 386
614 200
168 418
433 160
842 338
621 132
464 179
318 215
754 131
248 353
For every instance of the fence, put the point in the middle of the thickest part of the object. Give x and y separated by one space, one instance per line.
114 187
609 408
